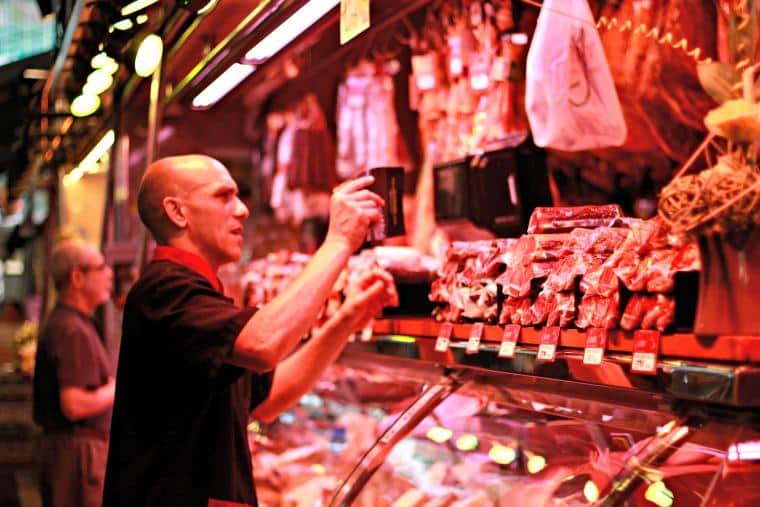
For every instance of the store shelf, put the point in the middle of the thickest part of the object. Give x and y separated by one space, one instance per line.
739 349
718 371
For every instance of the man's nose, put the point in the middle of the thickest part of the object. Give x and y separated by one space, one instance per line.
241 210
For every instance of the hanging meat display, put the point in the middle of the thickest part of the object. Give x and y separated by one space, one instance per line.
368 131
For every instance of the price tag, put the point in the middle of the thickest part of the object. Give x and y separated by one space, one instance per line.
444 335
596 342
473 344
354 18
367 331
646 347
509 340
547 351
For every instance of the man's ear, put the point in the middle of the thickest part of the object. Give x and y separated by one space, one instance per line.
174 210
76 278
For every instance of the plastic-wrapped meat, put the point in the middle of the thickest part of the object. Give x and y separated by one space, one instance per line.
540 309
561 310
632 271
460 250
564 219
512 310
562 277
542 269
638 306
660 316
515 282
603 240
600 281
548 247
688 258
598 311
481 303
447 314
660 270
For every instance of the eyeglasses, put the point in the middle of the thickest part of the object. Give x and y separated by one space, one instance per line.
84 268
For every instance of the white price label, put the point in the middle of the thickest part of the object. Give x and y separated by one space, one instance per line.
593 355
507 349
441 344
546 352
367 333
473 344
644 362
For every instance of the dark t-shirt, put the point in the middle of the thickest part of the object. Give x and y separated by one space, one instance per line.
70 353
178 435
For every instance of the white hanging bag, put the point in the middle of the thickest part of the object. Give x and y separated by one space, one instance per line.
570 96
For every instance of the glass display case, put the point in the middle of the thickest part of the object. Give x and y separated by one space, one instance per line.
388 425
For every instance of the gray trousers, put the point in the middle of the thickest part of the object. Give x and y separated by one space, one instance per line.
73 470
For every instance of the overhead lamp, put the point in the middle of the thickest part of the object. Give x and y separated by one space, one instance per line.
136 6
89 162
659 494
467 442
290 29
102 60
148 52
591 491
84 105
141 19
98 81
439 434
123 25
502 454
222 85
536 463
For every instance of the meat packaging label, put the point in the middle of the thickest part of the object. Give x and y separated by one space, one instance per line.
646 346
596 341
547 350
509 340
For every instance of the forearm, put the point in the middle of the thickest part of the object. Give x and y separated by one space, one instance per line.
280 324
78 403
298 373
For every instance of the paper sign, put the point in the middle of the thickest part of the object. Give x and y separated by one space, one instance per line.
367 331
473 344
547 351
444 335
646 346
596 342
509 340
354 18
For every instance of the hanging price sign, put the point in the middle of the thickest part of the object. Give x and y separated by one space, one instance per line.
646 347
473 344
596 342
509 340
444 335
547 351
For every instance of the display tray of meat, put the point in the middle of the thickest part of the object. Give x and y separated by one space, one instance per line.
584 267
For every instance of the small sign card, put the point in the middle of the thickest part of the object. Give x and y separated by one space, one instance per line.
596 342
646 347
547 351
509 340
473 344
444 335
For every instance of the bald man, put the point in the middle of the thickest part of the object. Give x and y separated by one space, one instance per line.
193 366
73 380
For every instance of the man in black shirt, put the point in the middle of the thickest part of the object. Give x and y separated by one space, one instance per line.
193 366
73 381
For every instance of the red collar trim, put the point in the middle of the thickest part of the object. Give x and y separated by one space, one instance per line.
188 260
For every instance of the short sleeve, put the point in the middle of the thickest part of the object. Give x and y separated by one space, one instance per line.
261 386
75 357
195 325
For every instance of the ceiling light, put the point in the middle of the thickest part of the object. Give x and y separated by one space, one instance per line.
222 85
123 25
502 454
141 19
591 491
85 105
536 463
439 434
291 28
136 6
89 162
101 60
467 442
98 81
659 494
148 55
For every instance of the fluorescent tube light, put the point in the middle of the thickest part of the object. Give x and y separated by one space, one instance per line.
291 28
222 85
91 159
136 6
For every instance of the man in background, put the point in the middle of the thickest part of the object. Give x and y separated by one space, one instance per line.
74 381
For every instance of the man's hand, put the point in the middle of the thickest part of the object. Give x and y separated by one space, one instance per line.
353 209
365 298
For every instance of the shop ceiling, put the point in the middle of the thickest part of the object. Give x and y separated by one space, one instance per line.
197 49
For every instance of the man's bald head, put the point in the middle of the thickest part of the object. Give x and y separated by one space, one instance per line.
169 177
67 255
